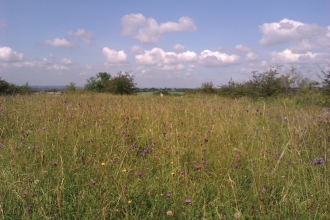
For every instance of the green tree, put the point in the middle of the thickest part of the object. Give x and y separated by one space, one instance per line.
208 88
97 83
71 87
326 82
123 83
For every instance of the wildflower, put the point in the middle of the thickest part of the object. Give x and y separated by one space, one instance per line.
140 174
133 146
94 182
205 140
172 173
103 164
238 157
123 132
182 172
198 167
168 195
164 133
28 208
44 128
238 215
318 161
187 201
169 213
124 170
129 202
263 190
236 165
55 163
172 162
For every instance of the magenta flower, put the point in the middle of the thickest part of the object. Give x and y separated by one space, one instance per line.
187 201
168 195
139 174
55 163
182 172
198 167
94 182
263 190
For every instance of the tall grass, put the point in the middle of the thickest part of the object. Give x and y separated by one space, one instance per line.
144 157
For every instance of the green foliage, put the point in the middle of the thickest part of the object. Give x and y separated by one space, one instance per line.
208 88
121 84
71 88
97 84
9 88
326 83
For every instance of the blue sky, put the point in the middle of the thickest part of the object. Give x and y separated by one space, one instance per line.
163 43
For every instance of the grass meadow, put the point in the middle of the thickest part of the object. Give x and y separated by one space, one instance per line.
99 156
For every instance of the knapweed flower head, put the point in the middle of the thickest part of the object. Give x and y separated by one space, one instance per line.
168 195
318 161
94 182
187 201
197 167
182 172
235 165
140 174
169 213
133 146
238 157
205 140
263 190
55 163
123 132
164 133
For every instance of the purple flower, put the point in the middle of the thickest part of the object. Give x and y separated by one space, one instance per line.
94 182
139 174
263 190
55 163
238 157
28 208
123 133
164 133
44 128
198 167
236 165
133 146
182 172
168 195
205 140
318 161
187 201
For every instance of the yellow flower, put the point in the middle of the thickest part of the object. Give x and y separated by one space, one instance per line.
129 201
103 164
172 173
124 170
172 162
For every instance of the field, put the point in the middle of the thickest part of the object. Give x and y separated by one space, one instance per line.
170 92
98 156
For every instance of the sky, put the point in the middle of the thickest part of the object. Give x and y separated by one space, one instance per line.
173 44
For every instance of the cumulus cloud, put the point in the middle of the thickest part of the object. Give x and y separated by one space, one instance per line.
288 57
58 43
178 47
9 55
137 50
81 34
251 57
288 30
208 58
114 57
165 60
66 61
241 48
57 67
148 31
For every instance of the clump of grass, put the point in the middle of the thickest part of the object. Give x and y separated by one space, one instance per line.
113 157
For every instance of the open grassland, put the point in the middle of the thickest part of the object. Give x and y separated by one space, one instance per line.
99 156
170 92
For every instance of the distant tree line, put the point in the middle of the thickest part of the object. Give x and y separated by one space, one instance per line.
7 88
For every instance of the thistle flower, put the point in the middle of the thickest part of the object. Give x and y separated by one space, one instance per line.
139 174
164 133
263 190
318 161
187 201
168 195
55 163
198 167
94 182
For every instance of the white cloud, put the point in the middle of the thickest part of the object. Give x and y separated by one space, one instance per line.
66 61
9 55
208 58
137 50
288 57
148 31
288 30
302 47
58 43
178 47
241 48
81 34
2 24
114 57
57 67
251 57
